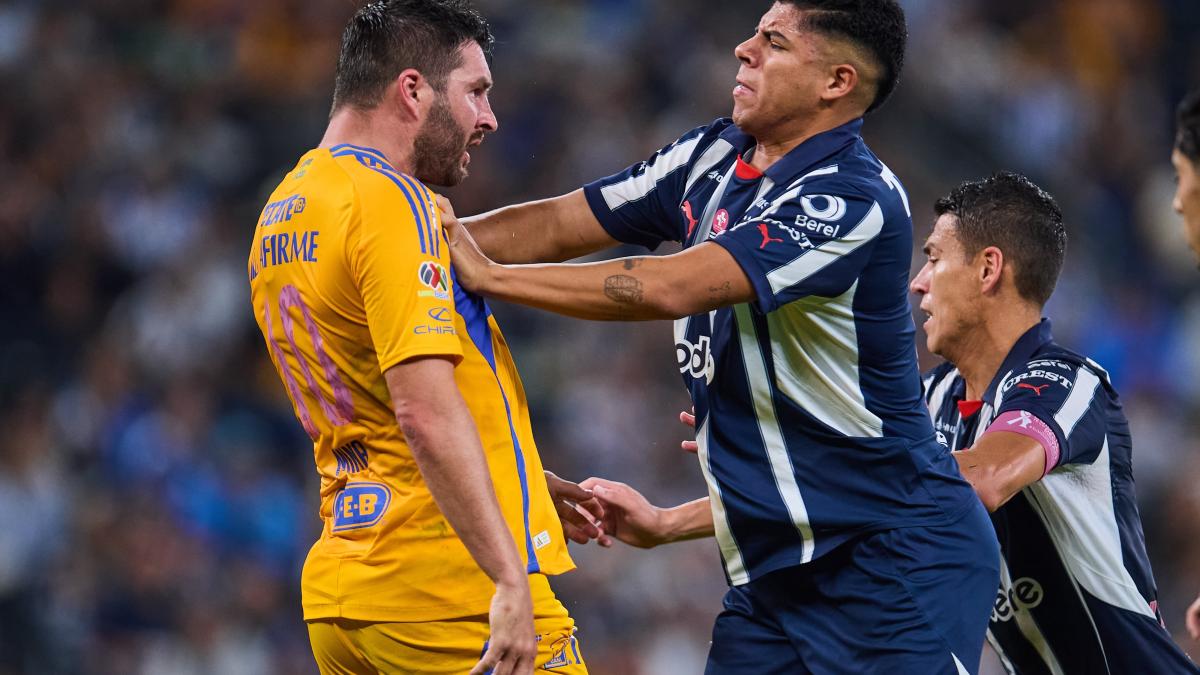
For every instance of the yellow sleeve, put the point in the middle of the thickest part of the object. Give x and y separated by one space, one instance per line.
402 267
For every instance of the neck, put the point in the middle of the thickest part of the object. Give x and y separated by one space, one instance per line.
772 147
984 351
372 128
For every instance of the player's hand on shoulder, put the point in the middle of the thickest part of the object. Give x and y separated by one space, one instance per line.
1193 619
628 515
471 266
578 509
512 645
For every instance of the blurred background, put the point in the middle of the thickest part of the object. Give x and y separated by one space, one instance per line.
157 496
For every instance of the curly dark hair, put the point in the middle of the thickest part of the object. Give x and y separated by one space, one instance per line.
1187 121
386 37
1010 212
878 26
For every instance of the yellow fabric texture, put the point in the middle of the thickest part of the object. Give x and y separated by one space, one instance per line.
349 276
345 647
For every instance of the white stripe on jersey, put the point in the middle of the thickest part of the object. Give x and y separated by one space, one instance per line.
1078 401
814 345
1028 626
769 430
962 670
1075 502
730 553
811 262
939 392
637 187
711 158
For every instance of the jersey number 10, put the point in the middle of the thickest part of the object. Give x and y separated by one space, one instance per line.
341 410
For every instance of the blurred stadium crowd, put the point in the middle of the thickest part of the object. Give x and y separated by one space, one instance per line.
156 494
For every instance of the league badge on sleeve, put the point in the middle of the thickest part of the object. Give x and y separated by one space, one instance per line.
436 278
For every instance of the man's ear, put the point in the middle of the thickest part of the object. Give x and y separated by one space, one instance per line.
843 82
991 269
410 91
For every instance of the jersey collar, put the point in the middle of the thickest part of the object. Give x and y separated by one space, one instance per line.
1025 347
809 155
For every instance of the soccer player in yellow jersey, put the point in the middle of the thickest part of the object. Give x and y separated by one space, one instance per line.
439 529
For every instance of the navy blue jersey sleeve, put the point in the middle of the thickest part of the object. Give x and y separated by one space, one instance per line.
640 205
813 242
1066 396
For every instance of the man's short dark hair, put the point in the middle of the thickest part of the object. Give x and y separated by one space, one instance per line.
876 26
1010 212
1187 121
387 37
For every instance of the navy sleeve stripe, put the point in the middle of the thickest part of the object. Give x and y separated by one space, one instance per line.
637 187
1078 402
827 253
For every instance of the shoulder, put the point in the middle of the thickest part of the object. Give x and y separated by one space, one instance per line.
1059 369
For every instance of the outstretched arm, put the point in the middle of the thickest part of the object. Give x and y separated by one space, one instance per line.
548 230
630 517
643 288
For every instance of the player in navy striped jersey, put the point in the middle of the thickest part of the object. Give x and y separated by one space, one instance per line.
1039 432
850 540
1186 160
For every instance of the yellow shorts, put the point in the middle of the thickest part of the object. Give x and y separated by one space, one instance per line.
453 647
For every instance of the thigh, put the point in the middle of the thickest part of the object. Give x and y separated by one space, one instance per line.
746 639
904 601
558 646
334 648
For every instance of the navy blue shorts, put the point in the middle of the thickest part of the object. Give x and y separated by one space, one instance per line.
910 601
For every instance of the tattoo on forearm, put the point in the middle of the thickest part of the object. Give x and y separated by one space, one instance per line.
631 263
720 294
624 289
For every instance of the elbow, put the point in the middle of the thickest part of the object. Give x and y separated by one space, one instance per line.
991 497
414 418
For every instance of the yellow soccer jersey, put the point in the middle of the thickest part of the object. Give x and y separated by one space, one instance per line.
349 276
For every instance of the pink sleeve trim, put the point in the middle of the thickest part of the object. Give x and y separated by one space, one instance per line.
1027 424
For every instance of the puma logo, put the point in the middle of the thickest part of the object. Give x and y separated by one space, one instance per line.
766 235
692 220
1036 390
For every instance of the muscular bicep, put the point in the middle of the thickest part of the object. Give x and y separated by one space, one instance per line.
1000 465
548 230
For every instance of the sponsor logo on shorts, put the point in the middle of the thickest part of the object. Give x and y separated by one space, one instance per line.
1023 595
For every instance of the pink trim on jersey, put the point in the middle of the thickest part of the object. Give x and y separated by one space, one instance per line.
1026 424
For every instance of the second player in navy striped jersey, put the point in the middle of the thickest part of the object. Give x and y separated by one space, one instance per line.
1039 431
794 335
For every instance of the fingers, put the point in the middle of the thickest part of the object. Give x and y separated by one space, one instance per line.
565 489
578 527
446 207
688 418
1193 620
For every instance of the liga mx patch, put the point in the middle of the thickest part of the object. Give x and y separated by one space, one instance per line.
435 277
360 505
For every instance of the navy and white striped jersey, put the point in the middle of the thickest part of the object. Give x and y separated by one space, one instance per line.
1076 591
810 423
